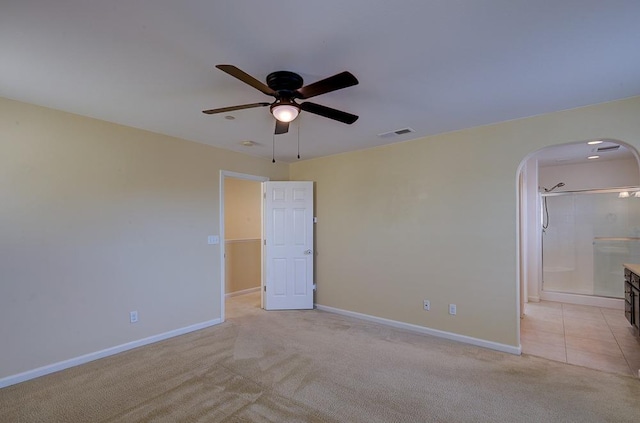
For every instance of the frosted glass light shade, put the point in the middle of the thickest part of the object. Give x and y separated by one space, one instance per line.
285 112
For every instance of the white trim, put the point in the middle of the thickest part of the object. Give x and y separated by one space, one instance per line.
244 291
72 362
425 330
561 297
223 175
534 299
229 174
240 240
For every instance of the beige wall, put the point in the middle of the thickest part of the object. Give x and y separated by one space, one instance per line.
243 232
96 220
435 219
242 209
243 264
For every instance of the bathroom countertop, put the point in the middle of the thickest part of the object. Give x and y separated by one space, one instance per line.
635 268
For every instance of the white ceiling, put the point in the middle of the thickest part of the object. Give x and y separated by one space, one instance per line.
434 66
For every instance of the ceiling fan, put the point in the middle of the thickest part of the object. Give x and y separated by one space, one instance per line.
287 87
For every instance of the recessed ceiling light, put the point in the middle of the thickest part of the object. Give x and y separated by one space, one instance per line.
593 157
595 142
248 143
229 117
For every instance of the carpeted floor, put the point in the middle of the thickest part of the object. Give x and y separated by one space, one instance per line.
313 366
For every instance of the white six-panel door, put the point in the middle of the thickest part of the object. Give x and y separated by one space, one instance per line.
288 245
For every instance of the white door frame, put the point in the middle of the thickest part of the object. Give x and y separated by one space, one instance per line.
223 175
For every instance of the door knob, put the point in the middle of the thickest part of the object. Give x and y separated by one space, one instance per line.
308 252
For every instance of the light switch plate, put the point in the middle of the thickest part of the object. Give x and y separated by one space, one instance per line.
213 239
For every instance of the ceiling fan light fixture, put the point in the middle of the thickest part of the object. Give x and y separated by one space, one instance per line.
285 112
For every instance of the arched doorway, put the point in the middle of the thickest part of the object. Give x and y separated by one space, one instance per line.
576 230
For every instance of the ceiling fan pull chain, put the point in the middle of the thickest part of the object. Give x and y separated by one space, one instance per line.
273 153
298 140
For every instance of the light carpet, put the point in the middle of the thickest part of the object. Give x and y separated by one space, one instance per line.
314 366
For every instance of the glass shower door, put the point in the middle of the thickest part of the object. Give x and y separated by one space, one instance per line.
609 255
589 235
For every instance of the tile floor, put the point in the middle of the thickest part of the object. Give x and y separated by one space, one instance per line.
598 338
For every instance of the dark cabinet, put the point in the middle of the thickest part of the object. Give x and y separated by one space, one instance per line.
632 297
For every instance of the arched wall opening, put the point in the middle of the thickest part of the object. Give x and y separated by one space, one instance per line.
561 177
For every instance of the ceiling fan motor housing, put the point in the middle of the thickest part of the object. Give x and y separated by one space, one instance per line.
284 83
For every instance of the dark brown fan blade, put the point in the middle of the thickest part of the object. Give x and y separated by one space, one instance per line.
232 108
281 127
328 112
332 83
246 78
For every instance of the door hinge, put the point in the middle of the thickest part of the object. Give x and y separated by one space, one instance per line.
265 288
265 242
315 288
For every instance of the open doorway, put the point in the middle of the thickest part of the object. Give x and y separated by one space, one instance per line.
577 225
241 238
569 208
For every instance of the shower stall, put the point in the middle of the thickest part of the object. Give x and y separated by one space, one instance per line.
586 237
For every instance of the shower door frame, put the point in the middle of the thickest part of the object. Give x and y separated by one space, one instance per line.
590 300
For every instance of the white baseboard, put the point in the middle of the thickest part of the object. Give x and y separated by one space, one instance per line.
425 330
533 299
244 291
61 365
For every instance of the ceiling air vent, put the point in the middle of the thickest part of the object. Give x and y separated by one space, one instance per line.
610 148
396 133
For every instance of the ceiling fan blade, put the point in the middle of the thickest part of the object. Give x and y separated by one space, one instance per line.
232 108
328 112
336 82
246 78
281 127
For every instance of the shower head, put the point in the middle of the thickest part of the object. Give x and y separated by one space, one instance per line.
558 185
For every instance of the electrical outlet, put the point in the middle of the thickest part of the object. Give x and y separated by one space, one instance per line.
426 305
452 309
133 316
